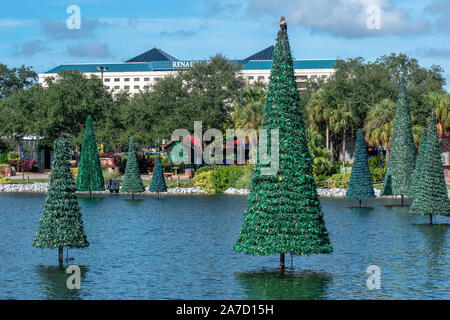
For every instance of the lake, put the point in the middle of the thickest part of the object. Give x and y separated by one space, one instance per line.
180 247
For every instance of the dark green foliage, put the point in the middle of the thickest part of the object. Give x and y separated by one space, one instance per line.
403 152
431 197
90 176
415 181
61 224
158 183
132 181
283 213
361 184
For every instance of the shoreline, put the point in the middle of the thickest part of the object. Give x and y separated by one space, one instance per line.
41 187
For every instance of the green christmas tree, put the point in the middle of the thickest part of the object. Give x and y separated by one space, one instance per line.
90 176
431 197
361 184
132 181
61 224
414 185
283 213
403 151
158 183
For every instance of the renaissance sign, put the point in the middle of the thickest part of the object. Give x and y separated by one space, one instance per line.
183 64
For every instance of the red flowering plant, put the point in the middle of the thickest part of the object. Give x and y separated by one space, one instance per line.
24 165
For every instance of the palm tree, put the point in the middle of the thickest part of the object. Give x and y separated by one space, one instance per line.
250 116
342 121
380 124
319 113
440 103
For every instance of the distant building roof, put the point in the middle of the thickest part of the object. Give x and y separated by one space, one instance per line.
265 54
158 60
112 67
298 64
154 54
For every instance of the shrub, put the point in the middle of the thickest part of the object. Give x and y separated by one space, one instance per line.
13 156
4 179
110 175
339 180
378 174
4 158
74 171
224 177
204 181
244 180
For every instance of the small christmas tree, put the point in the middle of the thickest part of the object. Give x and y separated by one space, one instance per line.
361 184
414 185
90 176
61 224
158 183
403 151
431 197
132 181
283 213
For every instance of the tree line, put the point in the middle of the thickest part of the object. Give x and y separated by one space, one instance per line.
359 94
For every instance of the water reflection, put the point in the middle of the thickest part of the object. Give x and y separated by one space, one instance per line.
434 236
53 281
287 285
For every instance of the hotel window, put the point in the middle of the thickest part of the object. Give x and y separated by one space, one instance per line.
157 79
107 79
136 87
250 77
146 87
302 78
136 79
261 78
126 79
116 87
126 87
116 79
108 87
146 79
324 76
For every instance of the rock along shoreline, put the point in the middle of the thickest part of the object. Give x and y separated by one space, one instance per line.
43 186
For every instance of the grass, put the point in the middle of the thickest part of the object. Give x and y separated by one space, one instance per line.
173 183
17 181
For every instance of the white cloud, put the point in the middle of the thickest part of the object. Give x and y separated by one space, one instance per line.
346 18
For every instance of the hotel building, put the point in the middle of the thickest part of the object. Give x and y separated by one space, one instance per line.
144 70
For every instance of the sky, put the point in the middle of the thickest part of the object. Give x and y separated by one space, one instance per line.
35 32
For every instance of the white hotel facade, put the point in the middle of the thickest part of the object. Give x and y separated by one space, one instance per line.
144 70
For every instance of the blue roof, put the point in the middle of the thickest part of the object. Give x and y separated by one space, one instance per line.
265 54
298 64
154 54
156 59
112 67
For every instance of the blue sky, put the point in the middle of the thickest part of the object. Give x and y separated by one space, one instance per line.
34 32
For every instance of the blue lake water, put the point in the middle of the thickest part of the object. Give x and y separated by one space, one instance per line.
180 247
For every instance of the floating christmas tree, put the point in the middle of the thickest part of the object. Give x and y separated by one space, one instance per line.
431 197
158 183
414 185
361 184
61 224
132 181
403 152
90 176
283 213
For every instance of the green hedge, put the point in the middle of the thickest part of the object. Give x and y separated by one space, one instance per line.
339 180
217 179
